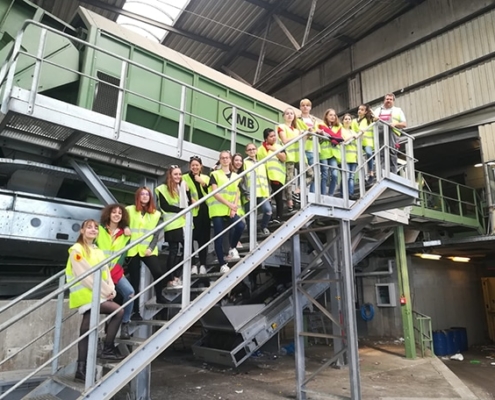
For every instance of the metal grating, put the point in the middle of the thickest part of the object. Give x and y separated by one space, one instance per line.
106 95
36 127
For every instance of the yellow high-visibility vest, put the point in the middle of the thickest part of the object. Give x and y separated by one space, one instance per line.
275 169
215 208
79 294
140 225
368 138
293 150
109 246
194 192
168 216
262 189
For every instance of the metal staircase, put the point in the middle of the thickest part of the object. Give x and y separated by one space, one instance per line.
30 117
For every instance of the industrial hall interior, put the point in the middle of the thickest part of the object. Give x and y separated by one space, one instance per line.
247 199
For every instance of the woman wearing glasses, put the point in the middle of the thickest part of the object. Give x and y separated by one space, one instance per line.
198 188
143 218
223 207
83 256
173 198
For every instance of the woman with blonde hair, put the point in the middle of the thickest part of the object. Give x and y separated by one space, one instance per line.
83 256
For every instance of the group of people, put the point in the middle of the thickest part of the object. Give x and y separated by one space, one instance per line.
225 211
334 132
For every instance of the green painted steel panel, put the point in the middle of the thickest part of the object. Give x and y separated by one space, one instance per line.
155 101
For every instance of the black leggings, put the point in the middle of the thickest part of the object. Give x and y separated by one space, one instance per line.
113 326
279 198
174 238
153 265
202 230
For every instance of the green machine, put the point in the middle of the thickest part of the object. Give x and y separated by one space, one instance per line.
160 89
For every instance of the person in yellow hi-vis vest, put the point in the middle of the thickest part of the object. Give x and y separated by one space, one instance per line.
223 208
83 256
350 151
307 123
173 197
262 188
275 169
329 152
360 125
112 238
144 217
287 132
198 188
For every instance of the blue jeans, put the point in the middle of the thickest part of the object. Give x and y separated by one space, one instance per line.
310 158
125 289
219 224
369 153
351 167
266 209
325 165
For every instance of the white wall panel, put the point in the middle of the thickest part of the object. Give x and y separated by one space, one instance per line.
450 96
487 139
452 49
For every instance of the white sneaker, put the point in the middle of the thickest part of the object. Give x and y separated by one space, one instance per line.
178 283
239 245
194 270
265 231
234 255
202 270
224 269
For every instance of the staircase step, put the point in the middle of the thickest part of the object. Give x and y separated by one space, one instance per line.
130 342
151 322
69 382
208 275
173 289
45 397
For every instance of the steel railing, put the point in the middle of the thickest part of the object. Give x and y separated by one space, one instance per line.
423 333
7 74
448 197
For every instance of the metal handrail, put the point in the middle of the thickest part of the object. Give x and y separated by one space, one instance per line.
425 333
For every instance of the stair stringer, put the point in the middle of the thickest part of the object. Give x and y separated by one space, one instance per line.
156 344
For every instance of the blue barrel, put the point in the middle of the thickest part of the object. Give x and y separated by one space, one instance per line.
440 343
453 345
461 337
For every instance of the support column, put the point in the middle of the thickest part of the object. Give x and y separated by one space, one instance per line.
406 309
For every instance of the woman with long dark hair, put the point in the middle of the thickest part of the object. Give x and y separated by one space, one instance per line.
143 218
198 188
361 124
173 198
112 238
83 256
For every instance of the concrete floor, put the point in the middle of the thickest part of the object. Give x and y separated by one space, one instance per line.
385 374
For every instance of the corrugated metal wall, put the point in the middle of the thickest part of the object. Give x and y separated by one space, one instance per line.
449 96
338 101
487 139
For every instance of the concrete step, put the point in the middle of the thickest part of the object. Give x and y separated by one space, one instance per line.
70 382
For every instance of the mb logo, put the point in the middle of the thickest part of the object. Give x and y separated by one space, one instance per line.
245 122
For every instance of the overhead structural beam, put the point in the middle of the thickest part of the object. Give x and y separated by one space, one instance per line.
317 40
234 75
171 28
94 182
284 13
310 22
261 59
286 31
68 143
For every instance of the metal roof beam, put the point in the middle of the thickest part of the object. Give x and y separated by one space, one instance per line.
173 29
309 23
261 58
282 26
284 13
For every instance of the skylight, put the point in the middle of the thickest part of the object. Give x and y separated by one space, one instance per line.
163 11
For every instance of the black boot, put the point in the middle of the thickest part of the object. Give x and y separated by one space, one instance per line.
124 331
111 353
81 371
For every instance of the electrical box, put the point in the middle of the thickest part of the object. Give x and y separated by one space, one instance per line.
385 295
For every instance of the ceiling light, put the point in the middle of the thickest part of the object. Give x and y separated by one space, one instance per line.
478 165
428 256
460 259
